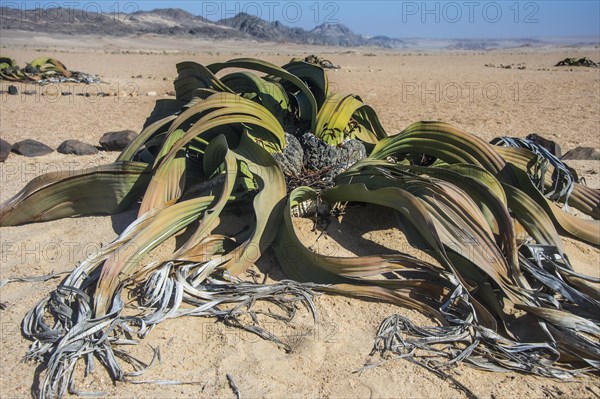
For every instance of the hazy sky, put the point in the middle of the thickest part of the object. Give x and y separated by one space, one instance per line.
430 19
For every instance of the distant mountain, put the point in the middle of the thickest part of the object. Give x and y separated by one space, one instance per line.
170 21
486 44
168 16
386 42
63 20
324 34
263 30
337 35
177 22
180 23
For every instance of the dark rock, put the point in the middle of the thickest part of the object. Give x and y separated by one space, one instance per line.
291 159
76 147
550 145
582 153
31 148
5 148
12 90
117 141
66 93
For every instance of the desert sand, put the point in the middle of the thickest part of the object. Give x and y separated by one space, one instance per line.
562 104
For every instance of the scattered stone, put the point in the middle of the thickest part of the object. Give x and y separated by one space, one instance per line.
291 159
31 148
508 66
5 148
12 90
582 153
584 62
76 147
66 93
136 76
315 59
117 141
29 92
550 145
165 79
151 94
171 93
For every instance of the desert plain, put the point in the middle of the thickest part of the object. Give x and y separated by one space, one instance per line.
559 103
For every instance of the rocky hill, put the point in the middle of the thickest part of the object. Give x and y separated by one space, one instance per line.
177 22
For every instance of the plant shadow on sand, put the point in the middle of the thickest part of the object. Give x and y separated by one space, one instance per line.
358 220
122 220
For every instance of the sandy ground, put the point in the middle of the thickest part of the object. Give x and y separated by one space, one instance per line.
562 104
